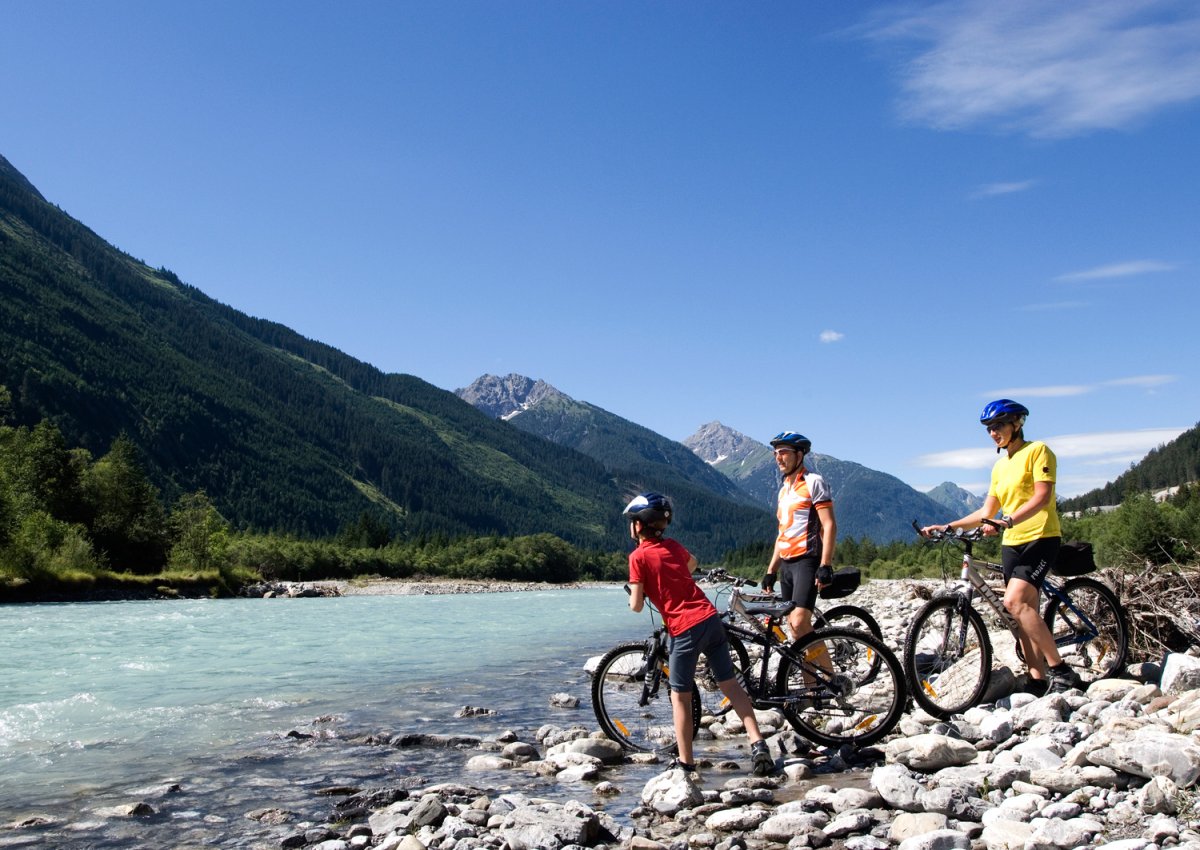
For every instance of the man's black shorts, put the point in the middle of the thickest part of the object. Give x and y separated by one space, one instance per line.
798 581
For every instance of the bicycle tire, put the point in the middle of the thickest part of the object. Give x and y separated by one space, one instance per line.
851 617
1104 655
842 617
947 657
712 699
847 710
616 693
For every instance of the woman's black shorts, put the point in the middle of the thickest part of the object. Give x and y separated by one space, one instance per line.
1030 561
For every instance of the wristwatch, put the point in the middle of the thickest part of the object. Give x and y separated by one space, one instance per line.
1007 520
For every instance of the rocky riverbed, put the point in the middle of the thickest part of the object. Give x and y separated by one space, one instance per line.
1115 766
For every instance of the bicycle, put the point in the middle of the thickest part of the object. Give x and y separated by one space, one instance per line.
840 616
857 701
948 651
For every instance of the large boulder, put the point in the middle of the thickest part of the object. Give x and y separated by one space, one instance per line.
928 752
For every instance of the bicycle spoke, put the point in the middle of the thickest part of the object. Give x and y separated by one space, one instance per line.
852 704
1090 631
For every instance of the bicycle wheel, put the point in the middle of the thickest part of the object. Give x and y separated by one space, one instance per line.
847 617
712 699
632 705
845 706
1094 637
947 657
850 617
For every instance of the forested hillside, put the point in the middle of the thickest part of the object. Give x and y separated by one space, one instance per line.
1172 465
283 433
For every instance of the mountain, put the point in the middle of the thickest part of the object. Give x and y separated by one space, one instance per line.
868 503
1169 465
628 450
504 398
282 432
954 498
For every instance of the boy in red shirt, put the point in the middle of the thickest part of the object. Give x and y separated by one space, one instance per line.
661 569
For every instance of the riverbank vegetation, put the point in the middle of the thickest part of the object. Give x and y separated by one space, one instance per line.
74 526
1138 534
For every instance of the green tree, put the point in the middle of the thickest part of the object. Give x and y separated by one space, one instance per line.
368 532
41 473
201 534
128 522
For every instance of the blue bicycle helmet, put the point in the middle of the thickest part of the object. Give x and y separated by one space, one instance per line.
792 440
649 507
1003 410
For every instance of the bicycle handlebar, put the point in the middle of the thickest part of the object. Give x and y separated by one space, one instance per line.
937 536
721 575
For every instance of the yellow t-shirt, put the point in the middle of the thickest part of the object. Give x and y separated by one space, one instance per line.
1012 484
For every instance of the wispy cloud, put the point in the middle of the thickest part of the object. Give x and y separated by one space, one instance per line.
1147 382
1054 305
832 336
1136 267
1105 446
1045 69
991 190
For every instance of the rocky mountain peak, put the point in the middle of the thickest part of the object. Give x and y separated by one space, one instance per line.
716 443
505 397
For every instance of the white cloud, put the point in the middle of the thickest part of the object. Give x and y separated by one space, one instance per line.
1061 391
1045 69
990 190
831 336
1057 305
1129 269
1147 381
1114 446
1064 390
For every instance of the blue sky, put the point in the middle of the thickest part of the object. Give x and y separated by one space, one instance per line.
860 221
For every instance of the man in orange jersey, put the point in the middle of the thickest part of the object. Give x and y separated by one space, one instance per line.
803 556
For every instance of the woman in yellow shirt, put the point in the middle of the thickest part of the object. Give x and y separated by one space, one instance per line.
1022 490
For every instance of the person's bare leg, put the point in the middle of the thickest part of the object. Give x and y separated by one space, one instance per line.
681 710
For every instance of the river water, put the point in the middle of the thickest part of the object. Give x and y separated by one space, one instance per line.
104 704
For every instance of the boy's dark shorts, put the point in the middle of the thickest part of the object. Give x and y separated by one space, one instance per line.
1030 561
798 581
708 637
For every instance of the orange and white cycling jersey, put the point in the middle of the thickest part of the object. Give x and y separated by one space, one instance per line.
799 527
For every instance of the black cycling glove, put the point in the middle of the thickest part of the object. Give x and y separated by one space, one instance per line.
825 574
768 582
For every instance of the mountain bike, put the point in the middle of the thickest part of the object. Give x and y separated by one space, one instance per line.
772 613
948 652
856 700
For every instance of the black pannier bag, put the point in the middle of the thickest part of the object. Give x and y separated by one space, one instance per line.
844 583
1075 558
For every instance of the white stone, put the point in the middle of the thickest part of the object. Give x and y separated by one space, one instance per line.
909 824
741 819
1006 835
1181 673
930 752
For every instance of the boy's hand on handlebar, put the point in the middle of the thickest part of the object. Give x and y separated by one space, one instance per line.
768 582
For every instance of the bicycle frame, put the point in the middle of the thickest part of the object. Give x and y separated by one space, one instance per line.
744 622
977 584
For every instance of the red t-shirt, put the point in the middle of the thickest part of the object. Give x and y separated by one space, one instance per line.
661 568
